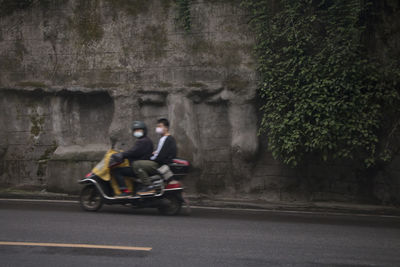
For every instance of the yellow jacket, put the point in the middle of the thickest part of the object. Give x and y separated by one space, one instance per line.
103 171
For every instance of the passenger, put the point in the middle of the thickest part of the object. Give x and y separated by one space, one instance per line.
142 150
165 153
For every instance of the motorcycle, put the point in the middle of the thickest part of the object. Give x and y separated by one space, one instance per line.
99 187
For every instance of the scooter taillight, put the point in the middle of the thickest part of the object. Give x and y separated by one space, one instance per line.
173 184
88 175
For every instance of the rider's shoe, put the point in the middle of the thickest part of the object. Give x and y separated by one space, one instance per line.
146 191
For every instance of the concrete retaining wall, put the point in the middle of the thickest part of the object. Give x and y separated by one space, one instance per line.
72 73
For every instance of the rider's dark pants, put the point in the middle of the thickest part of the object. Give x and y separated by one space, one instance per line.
120 173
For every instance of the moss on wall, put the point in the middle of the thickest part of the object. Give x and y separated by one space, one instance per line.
101 85
37 122
226 54
199 45
42 162
210 184
165 84
196 84
86 22
8 7
32 84
20 49
155 39
49 151
130 7
235 83
166 5
9 63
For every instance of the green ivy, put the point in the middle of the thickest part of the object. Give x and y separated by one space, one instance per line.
321 94
183 14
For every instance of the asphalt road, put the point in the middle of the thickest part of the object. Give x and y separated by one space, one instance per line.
205 238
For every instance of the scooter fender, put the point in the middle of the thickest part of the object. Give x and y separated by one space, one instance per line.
177 192
94 182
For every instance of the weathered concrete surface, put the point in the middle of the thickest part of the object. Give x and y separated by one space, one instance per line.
39 126
73 73
69 163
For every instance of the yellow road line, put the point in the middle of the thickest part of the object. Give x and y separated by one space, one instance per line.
2 243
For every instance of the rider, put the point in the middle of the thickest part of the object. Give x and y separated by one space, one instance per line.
165 153
142 150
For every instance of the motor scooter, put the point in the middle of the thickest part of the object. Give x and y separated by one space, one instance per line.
99 187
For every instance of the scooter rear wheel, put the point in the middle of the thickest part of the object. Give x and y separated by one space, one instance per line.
90 198
172 208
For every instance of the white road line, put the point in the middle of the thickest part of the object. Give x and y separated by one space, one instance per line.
226 209
38 200
63 245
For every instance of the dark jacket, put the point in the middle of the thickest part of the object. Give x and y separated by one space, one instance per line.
168 151
142 150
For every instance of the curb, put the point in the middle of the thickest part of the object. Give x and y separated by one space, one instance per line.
311 207
37 195
232 204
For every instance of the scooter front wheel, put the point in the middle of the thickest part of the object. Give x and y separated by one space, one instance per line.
90 198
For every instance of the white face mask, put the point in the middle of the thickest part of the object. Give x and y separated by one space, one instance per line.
137 134
159 130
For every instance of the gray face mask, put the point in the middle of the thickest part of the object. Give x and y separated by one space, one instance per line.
137 134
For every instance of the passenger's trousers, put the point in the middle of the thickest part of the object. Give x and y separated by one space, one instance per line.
144 169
